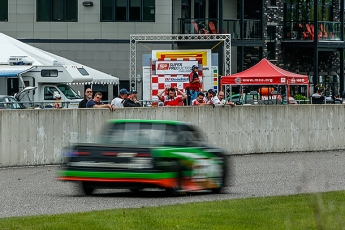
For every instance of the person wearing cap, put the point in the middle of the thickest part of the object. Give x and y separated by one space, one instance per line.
132 101
171 99
209 95
194 83
88 97
118 101
96 103
57 104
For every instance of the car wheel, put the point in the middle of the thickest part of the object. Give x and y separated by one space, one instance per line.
86 189
176 190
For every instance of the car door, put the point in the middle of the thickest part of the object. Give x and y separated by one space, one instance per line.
199 165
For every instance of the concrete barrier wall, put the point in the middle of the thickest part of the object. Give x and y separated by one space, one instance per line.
37 137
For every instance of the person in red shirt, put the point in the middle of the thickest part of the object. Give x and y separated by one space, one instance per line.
171 99
194 83
199 101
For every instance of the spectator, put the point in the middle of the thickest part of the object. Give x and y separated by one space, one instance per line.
57 104
187 101
209 95
96 103
171 99
318 93
199 101
219 100
194 83
88 97
338 99
118 101
132 101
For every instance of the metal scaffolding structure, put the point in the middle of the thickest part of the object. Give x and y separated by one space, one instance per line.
134 39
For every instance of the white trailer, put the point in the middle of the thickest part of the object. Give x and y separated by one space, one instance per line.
22 65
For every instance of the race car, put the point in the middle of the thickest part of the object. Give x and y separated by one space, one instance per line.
139 154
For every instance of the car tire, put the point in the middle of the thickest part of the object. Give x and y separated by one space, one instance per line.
86 189
176 190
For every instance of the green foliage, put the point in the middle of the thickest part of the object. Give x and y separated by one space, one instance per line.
300 97
305 211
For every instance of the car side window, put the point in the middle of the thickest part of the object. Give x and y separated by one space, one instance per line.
191 136
49 93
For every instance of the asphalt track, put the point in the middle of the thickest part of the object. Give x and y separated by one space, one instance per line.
34 190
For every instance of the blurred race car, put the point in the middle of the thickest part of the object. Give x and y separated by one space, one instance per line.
139 154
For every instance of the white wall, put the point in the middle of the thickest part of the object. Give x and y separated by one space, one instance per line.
36 137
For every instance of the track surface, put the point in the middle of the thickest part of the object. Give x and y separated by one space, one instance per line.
34 190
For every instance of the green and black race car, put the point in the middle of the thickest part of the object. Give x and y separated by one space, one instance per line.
138 154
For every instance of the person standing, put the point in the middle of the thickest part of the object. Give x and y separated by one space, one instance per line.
88 97
119 101
132 101
171 99
96 103
194 83
58 103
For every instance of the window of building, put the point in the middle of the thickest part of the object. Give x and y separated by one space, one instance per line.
271 33
4 10
128 10
271 37
57 10
271 3
271 51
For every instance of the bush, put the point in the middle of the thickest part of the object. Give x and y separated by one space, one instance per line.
300 97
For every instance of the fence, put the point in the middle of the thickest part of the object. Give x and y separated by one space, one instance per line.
36 137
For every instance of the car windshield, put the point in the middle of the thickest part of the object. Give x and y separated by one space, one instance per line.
136 133
68 92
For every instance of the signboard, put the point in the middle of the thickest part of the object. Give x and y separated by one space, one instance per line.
266 81
174 67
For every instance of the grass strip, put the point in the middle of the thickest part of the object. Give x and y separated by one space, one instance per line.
305 211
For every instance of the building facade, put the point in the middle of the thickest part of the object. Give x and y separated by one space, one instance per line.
302 36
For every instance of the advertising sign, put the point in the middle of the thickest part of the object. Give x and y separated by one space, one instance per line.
174 67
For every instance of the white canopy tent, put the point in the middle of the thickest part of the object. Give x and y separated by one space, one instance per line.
11 47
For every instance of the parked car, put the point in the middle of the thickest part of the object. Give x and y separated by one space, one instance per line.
139 154
9 102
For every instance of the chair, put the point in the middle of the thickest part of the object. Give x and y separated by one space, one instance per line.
212 27
318 100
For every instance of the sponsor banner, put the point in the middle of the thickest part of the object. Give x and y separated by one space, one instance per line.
204 54
174 67
264 81
176 79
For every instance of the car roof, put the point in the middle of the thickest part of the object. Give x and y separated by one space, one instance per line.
148 121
